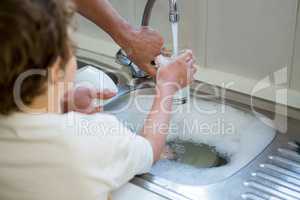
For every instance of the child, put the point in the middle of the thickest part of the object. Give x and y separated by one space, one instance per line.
45 154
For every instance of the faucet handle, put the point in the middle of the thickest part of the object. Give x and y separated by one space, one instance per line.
122 59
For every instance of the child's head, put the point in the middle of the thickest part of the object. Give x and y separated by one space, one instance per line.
35 44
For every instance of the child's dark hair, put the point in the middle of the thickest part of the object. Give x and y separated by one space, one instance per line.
33 35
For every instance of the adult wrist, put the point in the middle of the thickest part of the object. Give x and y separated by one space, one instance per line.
124 35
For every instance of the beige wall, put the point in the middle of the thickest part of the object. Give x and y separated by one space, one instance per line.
126 8
295 82
252 38
248 38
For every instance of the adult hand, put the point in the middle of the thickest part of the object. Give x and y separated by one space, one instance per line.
80 99
143 46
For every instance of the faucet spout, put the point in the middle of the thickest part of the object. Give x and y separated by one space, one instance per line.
147 12
173 11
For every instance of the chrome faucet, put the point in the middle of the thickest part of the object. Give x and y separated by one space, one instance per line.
173 12
121 56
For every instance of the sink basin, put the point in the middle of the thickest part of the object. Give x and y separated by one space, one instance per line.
213 141
223 152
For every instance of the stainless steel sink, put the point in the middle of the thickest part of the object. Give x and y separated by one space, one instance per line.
273 173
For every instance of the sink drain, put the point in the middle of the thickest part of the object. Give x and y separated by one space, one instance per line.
196 155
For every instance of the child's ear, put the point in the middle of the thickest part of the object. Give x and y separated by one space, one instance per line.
55 72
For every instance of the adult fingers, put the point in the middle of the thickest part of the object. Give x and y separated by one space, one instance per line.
150 69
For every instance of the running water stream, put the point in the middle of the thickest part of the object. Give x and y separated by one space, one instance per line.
175 38
182 96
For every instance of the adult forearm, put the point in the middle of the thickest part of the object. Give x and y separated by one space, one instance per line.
142 45
156 126
107 18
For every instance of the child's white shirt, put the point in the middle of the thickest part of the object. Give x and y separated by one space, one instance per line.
70 156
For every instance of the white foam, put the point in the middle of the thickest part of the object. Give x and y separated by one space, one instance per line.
237 134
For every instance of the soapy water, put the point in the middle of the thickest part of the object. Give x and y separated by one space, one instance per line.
237 135
197 155
238 150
